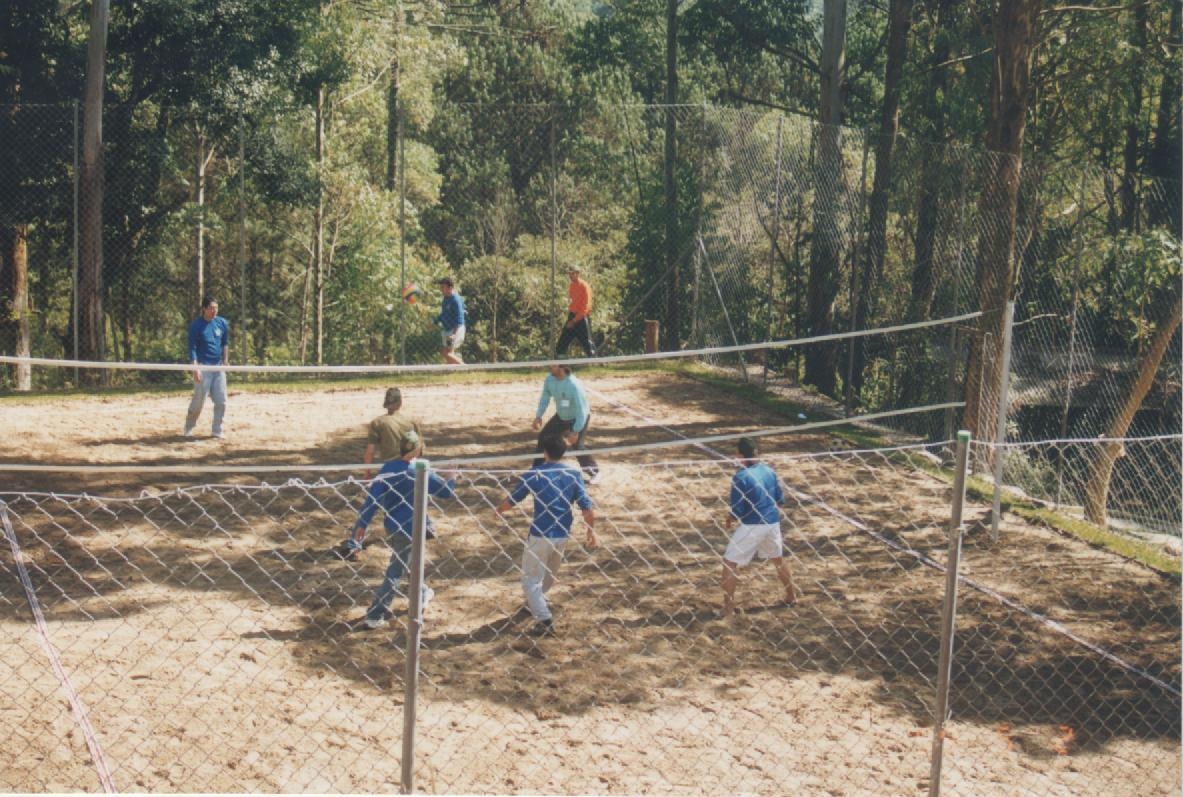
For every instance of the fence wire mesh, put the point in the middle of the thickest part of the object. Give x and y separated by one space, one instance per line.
210 636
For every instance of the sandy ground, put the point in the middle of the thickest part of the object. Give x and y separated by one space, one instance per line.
211 639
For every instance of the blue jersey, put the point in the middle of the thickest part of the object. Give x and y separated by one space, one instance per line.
556 488
756 495
207 339
570 400
393 491
451 312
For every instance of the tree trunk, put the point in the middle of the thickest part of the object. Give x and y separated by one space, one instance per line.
90 244
199 178
319 232
392 127
14 300
1014 44
889 124
1165 157
826 251
1128 194
673 269
1096 491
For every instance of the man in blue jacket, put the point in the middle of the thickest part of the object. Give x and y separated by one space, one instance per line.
451 319
209 344
556 488
756 498
393 492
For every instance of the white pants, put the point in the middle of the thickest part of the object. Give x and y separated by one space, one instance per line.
540 563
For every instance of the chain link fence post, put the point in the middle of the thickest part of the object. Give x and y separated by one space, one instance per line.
414 622
948 614
1003 407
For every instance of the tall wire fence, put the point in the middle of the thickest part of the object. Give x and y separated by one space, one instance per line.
208 639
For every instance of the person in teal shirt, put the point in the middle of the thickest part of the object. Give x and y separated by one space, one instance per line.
571 418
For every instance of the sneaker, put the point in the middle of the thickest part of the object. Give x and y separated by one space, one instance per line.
188 432
219 435
543 628
425 596
374 623
592 477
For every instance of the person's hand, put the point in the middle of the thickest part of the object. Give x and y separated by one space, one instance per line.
592 542
448 340
196 376
569 325
572 438
537 424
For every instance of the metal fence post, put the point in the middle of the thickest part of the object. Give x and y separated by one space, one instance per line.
74 248
780 133
948 614
1003 408
414 622
402 230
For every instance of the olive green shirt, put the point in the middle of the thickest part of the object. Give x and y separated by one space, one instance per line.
386 433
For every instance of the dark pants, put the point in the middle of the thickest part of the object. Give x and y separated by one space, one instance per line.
580 332
557 426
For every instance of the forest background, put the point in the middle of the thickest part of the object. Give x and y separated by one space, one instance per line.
738 170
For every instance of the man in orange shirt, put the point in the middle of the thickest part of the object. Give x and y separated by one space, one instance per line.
578 326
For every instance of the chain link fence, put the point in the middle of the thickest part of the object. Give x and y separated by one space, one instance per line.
208 639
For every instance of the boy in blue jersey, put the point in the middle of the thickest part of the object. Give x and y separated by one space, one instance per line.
556 488
451 318
209 344
393 492
756 498
571 418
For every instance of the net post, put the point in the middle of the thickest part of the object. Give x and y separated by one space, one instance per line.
948 614
1003 407
414 622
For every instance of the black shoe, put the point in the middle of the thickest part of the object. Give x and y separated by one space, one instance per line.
543 628
346 552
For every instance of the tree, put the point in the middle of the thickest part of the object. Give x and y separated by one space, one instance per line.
1100 470
826 252
90 270
1014 44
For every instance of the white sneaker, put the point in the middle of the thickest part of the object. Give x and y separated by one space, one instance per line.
219 435
187 433
373 623
425 596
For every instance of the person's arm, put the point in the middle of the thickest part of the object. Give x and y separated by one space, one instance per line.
589 517
225 342
368 458
735 502
440 487
543 402
373 502
194 340
514 498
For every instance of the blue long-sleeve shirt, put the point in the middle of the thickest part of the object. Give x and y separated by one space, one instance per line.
451 312
556 489
570 400
756 495
207 339
393 491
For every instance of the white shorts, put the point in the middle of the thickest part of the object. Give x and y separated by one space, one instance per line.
757 538
457 338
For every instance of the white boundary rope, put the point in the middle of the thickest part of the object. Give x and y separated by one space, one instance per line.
462 461
76 705
525 364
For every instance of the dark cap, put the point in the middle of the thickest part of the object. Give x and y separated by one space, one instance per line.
573 268
409 443
394 397
747 448
446 281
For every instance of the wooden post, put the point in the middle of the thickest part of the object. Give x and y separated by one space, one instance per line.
651 337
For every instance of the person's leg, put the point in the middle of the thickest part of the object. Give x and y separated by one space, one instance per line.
586 461
534 572
582 332
217 391
400 555
786 578
730 579
565 337
554 558
200 391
